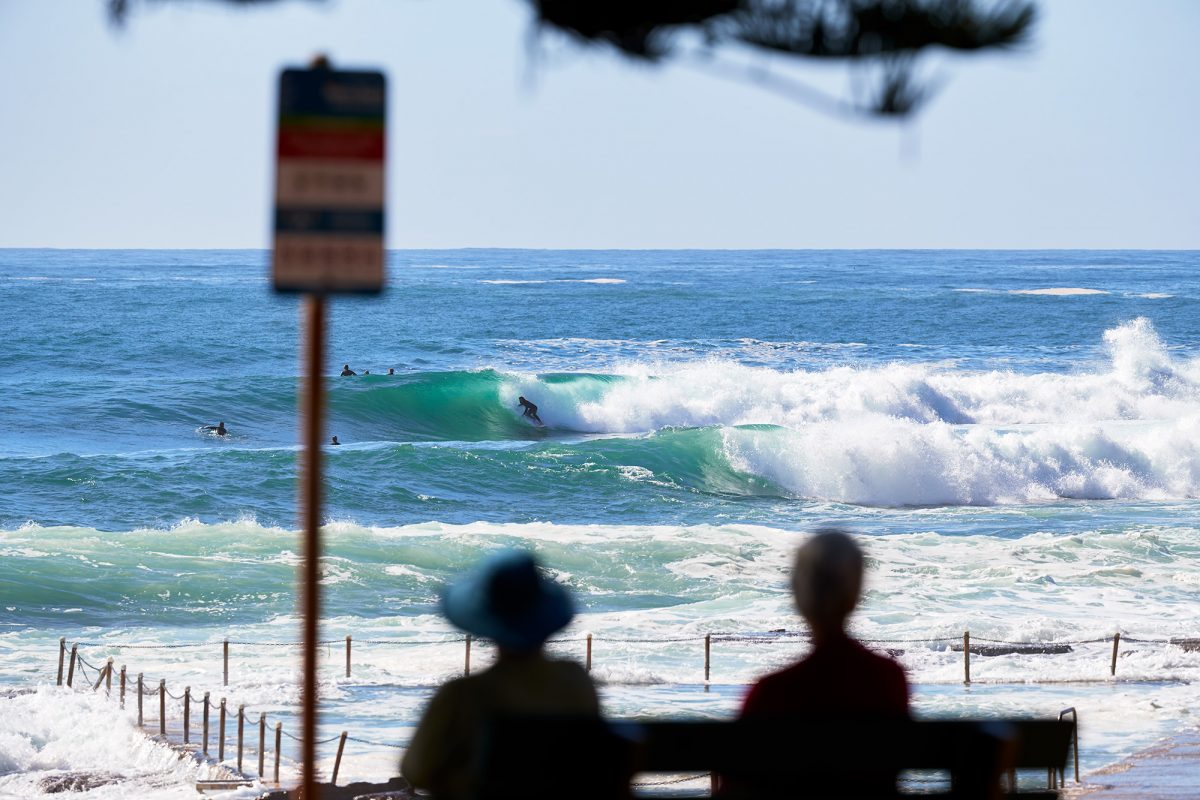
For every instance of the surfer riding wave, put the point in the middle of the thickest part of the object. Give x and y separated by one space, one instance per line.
530 410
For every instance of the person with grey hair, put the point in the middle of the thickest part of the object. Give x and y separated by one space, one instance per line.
839 676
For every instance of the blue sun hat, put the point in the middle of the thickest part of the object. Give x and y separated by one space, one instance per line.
508 600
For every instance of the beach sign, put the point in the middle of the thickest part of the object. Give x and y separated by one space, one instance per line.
329 182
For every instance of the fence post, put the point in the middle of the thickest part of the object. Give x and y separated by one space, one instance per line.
467 662
140 688
108 677
162 707
347 655
62 654
589 653
71 671
206 704
337 762
122 686
262 743
100 675
187 714
221 734
278 736
241 732
1116 644
226 660
707 655
967 657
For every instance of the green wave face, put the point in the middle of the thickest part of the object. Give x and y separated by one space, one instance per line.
461 406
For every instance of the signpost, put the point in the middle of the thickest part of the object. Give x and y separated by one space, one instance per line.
329 219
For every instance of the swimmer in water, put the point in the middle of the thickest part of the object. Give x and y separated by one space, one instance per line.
391 371
334 441
530 410
218 429
347 371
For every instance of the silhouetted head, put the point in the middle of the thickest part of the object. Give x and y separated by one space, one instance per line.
827 580
507 599
345 366
334 440
391 371
520 399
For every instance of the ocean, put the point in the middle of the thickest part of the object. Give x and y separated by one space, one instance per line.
1015 436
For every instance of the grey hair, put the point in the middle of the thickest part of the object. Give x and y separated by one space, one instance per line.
827 576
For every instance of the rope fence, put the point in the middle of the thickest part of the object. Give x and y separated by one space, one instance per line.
966 644
223 711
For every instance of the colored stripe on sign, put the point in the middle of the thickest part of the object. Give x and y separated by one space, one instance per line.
304 220
309 143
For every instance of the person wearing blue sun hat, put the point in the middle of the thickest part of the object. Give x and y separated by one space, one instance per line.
508 600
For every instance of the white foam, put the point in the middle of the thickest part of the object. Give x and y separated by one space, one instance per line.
903 434
1059 291
500 281
52 731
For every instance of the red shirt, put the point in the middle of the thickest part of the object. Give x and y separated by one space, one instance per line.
838 677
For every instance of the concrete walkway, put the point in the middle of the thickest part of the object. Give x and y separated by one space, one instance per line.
1169 770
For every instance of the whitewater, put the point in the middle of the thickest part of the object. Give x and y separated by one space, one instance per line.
1015 435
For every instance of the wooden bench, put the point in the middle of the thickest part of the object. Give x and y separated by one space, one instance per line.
533 758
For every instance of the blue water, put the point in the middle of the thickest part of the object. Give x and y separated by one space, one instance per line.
1016 433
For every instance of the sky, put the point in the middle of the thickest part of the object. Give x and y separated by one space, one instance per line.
160 134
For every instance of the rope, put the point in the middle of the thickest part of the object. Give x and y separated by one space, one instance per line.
81 660
375 744
410 641
652 641
174 696
722 636
669 781
319 741
83 672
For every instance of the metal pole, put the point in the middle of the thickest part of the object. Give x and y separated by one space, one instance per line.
226 662
221 734
278 737
337 762
140 687
347 656
1116 644
589 653
967 657
206 706
187 714
467 662
262 743
241 733
162 707
71 671
312 413
62 654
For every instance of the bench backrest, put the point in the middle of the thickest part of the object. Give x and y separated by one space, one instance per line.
843 757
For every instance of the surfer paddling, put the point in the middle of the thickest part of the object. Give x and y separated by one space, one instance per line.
218 429
530 410
346 371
